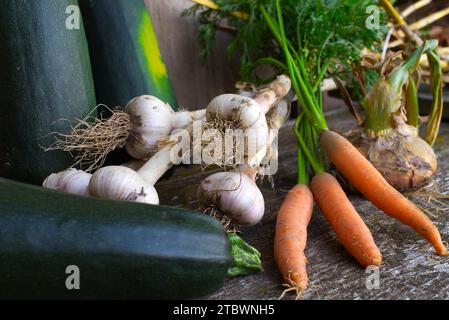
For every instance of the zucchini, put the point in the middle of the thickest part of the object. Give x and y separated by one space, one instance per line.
126 60
45 76
122 249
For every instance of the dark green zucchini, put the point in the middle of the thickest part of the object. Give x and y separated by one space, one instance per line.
122 249
125 55
45 76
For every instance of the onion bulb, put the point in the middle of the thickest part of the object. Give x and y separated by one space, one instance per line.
405 160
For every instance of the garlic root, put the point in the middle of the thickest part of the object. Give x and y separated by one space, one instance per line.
145 121
248 113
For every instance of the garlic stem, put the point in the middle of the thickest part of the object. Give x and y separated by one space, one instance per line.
183 119
275 91
157 165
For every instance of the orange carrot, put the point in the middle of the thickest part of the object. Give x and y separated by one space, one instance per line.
349 227
291 237
365 178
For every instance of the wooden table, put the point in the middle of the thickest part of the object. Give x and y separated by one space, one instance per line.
410 269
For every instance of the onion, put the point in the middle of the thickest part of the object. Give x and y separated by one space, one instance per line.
405 160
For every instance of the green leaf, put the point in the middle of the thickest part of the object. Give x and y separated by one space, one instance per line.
322 31
436 86
246 258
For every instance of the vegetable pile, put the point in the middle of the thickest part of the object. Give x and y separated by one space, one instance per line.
309 57
125 250
389 133
389 137
290 51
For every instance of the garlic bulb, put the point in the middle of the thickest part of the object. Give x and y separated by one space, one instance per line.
69 181
121 183
235 194
125 184
152 121
116 182
248 113
278 114
145 122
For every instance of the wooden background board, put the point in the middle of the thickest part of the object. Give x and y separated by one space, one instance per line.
195 83
410 270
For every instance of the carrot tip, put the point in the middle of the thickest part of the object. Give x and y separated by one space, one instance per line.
442 249
298 290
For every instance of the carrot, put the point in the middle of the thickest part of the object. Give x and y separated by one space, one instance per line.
291 237
365 178
349 227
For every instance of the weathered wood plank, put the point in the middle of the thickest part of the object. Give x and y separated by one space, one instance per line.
411 270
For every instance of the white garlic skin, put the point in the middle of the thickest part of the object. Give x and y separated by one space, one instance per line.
151 120
235 195
247 115
121 183
70 181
